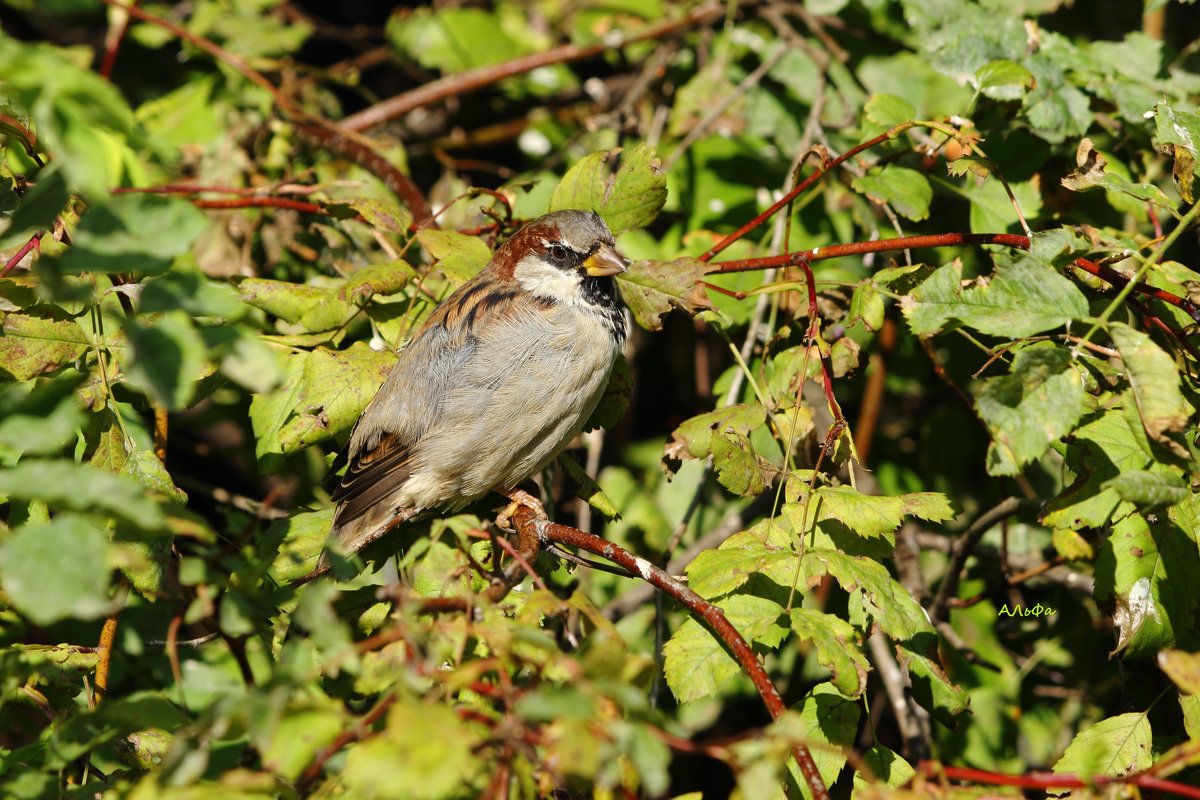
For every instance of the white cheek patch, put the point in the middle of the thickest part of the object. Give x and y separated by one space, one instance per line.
542 280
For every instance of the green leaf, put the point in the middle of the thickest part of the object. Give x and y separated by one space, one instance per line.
718 571
739 468
454 39
377 212
1090 174
992 209
459 257
906 190
1003 80
1147 489
424 753
165 357
1037 403
140 233
696 666
838 648
314 308
866 304
827 723
652 288
38 341
888 110
615 400
900 616
1154 379
874 515
56 570
889 768
626 187
1145 571
383 279
63 484
932 689
693 439
1114 746
1023 297
323 393
1099 450
40 417
587 488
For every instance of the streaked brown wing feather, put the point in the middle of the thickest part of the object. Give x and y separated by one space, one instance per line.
371 476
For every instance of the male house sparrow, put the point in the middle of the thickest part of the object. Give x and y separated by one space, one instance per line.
499 379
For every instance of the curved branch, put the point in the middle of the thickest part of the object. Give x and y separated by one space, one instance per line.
454 85
704 612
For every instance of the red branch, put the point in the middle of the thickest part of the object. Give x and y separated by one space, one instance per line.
262 202
704 612
454 85
1049 780
1101 271
34 243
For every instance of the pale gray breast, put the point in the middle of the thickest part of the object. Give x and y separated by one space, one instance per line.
527 390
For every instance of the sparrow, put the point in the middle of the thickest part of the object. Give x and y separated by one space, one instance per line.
499 379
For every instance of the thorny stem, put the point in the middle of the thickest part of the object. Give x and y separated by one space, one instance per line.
707 614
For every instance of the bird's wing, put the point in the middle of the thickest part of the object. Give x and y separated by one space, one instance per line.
380 454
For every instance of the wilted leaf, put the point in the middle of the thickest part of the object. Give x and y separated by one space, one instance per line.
1182 668
652 288
322 395
1179 137
38 341
626 187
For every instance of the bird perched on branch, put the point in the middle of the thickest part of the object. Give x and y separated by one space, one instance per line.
499 379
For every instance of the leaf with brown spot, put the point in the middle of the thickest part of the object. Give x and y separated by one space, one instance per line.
652 288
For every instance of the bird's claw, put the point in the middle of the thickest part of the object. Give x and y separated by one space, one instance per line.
519 498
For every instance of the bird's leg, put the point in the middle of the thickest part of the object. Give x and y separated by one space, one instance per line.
519 497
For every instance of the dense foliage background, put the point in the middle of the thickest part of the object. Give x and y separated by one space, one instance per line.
948 492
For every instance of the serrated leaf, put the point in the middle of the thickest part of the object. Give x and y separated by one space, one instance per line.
1090 174
827 722
693 439
900 616
1154 380
739 468
1022 297
57 570
888 768
1100 449
626 187
875 515
1114 746
323 393
972 164
838 648
696 665
1004 80
652 288
904 189
1147 489
586 488
716 572
1037 403
38 341
1178 134
459 257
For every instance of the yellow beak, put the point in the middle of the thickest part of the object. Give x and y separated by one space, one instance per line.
604 262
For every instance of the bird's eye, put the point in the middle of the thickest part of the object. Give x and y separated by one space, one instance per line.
559 253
